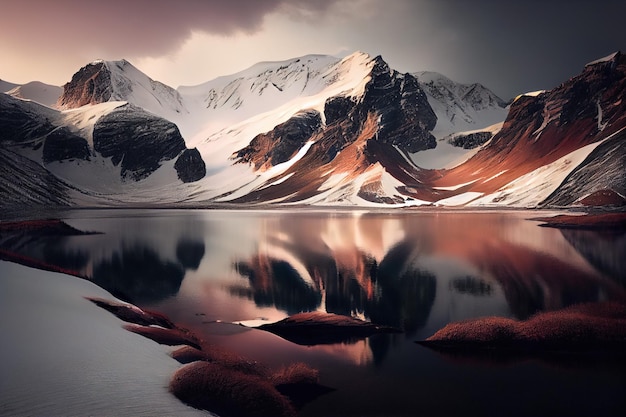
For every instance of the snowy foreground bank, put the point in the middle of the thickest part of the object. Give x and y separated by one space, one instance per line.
64 356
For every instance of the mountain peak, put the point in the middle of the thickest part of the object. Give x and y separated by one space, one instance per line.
102 81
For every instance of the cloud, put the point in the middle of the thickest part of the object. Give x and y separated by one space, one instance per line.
135 27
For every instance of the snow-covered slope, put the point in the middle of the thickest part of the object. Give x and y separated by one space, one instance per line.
268 93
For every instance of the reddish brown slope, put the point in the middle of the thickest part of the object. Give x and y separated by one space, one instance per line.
541 129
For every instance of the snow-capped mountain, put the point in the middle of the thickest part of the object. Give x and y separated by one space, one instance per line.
103 81
323 130
460 107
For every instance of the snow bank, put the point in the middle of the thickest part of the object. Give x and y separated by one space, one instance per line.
63 355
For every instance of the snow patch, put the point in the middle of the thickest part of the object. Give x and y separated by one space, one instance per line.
460 199
607 58
455 187
601 125
67 356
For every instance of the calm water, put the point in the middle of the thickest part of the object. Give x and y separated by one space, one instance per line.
412 270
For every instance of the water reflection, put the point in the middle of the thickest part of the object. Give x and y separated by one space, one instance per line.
604 250
123 259
275 283
386 268
138 275
412 270
471 285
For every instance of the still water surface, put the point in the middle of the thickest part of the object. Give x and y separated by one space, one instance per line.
413 270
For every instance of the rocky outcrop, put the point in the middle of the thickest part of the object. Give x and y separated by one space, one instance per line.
23 122
317 327
405 117
26 184
190 166
61 144
470 140
90 85
136 140
281 144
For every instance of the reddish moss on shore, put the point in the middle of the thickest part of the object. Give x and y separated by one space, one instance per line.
170 337
210 386
132 314
588 221
592 326
218 380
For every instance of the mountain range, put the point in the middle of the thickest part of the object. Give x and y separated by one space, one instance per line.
313 130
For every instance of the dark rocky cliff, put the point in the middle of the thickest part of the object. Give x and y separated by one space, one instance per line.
136 140
90 85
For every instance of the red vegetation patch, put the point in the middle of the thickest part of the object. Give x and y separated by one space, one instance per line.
188 354
296 373
580 327
227 392
219 380
603 198
589 221
170 337
132 314
221 356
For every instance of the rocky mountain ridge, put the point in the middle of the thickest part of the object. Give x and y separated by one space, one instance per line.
323 130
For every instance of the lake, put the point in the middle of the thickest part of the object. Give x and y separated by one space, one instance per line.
409 269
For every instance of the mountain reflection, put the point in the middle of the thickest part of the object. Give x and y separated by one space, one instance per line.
390 268
471 285
190 253
138 275
603 250
136 272
276 283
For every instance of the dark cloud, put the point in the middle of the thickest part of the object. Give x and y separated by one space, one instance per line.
524 45
133 27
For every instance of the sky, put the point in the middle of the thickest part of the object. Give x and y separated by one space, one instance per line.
509 46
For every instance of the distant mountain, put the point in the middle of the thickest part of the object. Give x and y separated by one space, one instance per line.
460 107
45 94
321 130
6 86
